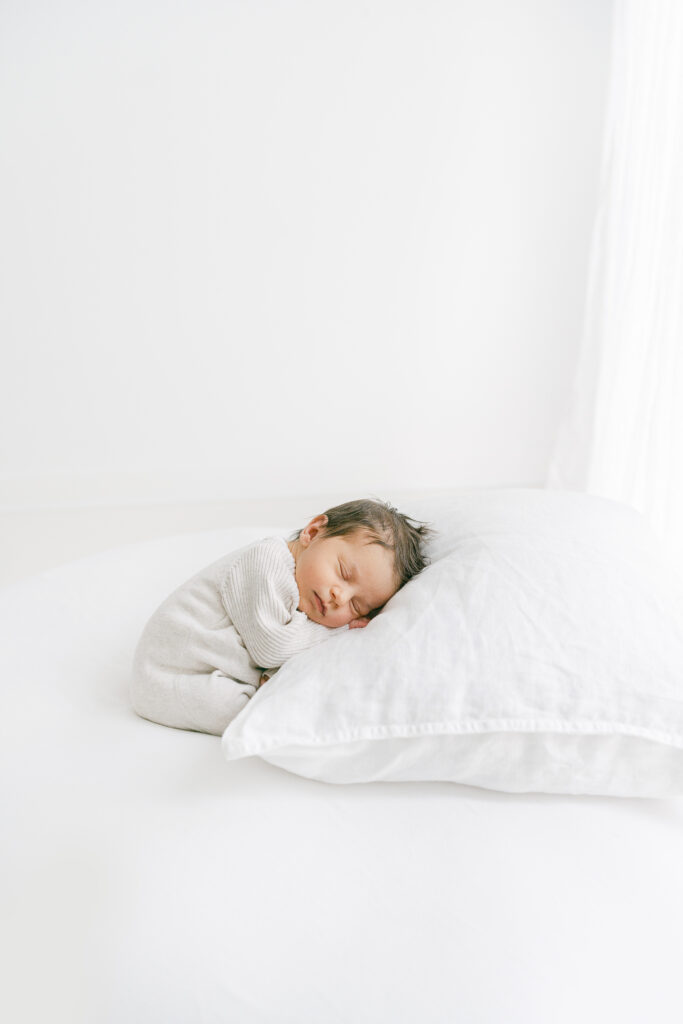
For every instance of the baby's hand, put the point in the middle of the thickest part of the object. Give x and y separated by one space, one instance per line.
358 623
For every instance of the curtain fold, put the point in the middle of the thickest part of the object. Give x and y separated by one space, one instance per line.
623 434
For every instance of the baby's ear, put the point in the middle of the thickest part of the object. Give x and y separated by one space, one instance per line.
313 529
358 623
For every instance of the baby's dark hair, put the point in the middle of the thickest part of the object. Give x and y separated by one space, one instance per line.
386 526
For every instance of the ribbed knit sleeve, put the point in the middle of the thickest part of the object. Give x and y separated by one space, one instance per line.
260 595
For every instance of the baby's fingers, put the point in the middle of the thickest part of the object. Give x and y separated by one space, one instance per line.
358 623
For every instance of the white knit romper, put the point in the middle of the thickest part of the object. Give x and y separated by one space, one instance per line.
201 655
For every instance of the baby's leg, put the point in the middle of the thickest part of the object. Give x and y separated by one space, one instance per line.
202 702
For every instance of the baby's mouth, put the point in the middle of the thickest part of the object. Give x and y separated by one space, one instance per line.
321 606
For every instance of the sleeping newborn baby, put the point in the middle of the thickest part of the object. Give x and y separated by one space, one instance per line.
225 632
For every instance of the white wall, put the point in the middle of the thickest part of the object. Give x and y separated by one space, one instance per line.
269 248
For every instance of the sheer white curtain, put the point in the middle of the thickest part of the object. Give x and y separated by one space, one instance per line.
623 437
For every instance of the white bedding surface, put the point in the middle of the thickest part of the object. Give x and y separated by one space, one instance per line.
144 878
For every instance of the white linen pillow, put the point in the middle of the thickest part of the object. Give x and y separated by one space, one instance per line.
541 650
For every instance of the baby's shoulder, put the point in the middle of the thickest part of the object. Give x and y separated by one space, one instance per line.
268 554
275 546
268 561
262 577
266 551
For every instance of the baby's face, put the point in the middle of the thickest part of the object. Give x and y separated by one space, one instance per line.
341 578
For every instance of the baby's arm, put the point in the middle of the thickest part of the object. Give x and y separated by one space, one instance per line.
260 595
354 624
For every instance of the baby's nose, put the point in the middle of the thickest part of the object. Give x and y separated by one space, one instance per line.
337 594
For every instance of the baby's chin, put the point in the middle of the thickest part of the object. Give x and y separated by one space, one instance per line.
326 621
314 615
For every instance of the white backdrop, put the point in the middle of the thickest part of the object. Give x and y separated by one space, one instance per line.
623 434
272 248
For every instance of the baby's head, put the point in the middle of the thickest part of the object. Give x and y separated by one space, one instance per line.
351 559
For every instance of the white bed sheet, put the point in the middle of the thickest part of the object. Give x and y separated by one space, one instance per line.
144 878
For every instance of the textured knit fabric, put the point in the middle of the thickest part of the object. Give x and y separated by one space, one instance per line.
201 655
